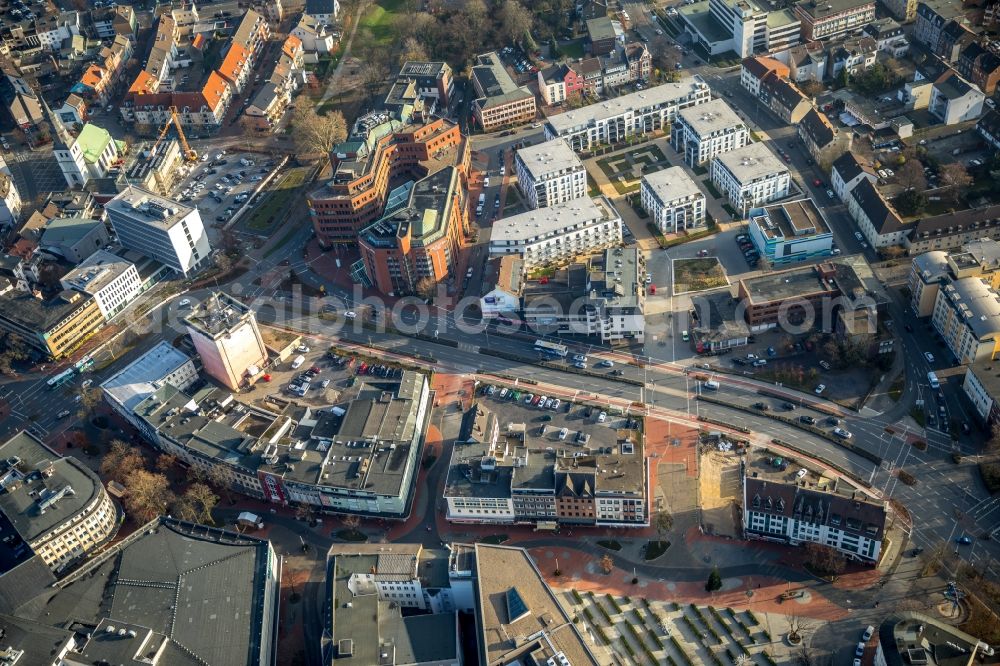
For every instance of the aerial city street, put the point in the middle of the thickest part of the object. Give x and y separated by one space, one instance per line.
500 333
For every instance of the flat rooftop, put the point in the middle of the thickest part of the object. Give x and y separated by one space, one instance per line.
554 220
791 220
492 76
217 314
513 601
137 203
424 217
548 158
752 162
821 9
96 272
40 490
785 284
140 378
657 96
711 117
671 184
39 315
977 303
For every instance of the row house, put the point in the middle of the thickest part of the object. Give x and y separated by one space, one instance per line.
980 66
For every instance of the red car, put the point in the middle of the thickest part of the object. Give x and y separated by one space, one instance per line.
362 368
817 182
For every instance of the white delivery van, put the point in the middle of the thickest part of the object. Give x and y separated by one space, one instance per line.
933 380
711 385
249 520
298 361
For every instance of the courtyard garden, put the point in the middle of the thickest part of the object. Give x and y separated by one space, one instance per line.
698 275
624 170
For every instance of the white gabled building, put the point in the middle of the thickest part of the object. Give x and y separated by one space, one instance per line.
550 173
558 234
790 514
673 200
750 176
162 364
700 133
635 114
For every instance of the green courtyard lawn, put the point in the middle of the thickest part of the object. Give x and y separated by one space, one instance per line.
277 200
698 274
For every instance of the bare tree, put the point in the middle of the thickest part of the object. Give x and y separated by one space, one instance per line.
607 564
425 287
218 478
352 522
148 496
663 522
514 21
956 178
910 176
315 133
165 462
413 50
203 500
121 462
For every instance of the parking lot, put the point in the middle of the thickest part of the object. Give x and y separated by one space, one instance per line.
582 424
221 182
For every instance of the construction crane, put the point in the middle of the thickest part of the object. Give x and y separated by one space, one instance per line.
189 153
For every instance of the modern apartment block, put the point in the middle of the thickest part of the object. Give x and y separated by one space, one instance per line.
556 235
967 315
702 132
509 473
54 506
429 80
982 386
673 200
163 364
930 270
500 101
418 243
365 171
550 173
788 513
160 228
112 281
360 455
791 231
225 334
635 114
822 19
750 176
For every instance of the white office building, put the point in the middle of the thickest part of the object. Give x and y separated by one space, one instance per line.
558 234
550 173
112 281
700 133
967 315
750 176
742 26
161 365
635 114
673 200
160 228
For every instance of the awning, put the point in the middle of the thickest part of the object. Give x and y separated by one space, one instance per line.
546 525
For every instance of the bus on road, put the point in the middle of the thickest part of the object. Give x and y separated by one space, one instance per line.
84 364
61 378
551 348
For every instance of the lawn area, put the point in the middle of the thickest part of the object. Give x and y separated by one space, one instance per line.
351 535
572 49
610 544
378 25
494 539
278 197
698 274
654 549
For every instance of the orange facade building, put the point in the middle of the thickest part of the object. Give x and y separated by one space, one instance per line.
366 172
417 244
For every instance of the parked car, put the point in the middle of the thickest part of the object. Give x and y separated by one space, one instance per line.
843 434
808 420
929 356
819 389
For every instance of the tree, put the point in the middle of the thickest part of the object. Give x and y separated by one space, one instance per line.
413 49
514 21
607 564
373 74
315 133
202 500
12 349
218 478
910 202
842 78
89 399
811 88
248 126
823 560
222 261
425 288
956 178
911 176
714 581
165 462
148 496
663 522
121 462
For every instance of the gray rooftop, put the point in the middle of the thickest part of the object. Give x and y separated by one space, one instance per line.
217 314
96 272
549 158
140 378
932 266
821 9
671 184
657 96
38 315
977 303
40 490
68 230
552 221
137 203
790 220
751 162
37 642
711 117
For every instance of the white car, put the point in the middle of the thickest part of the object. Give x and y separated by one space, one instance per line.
486 181
87 383
184 302
843 434
302 349
350 314
324 383
857 234
801 473
602 417
819 389
929 356
869 632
